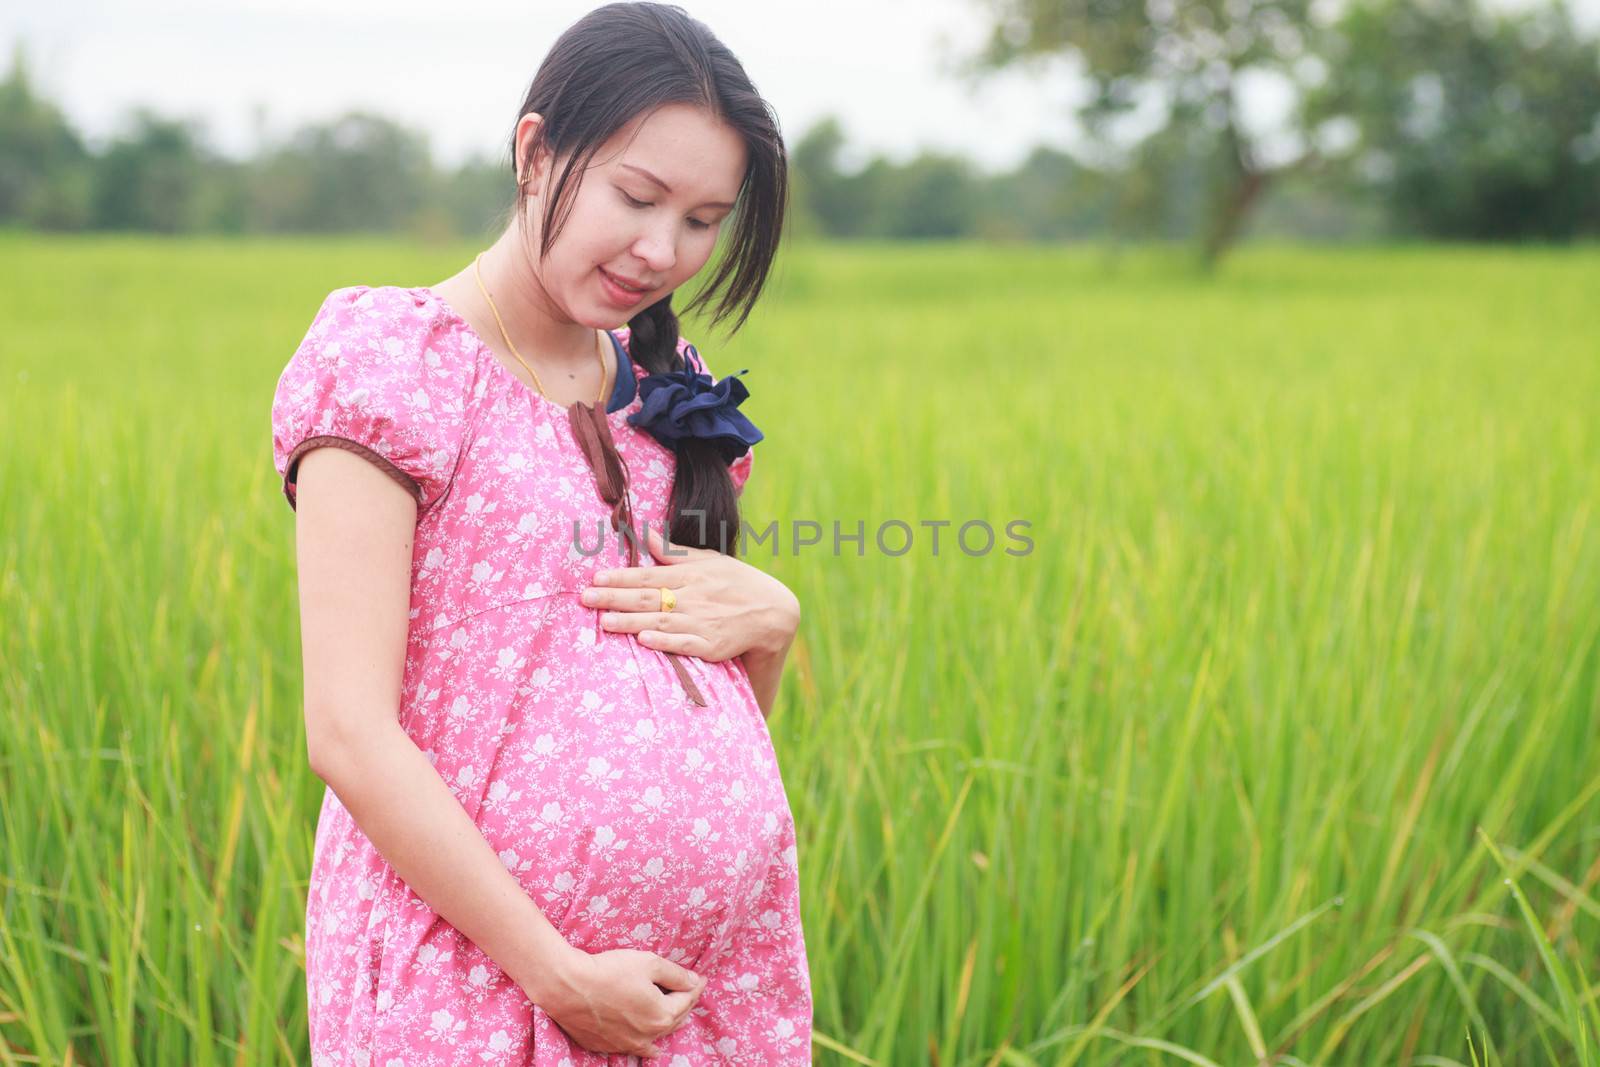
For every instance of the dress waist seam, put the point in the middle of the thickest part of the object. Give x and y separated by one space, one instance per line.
456 620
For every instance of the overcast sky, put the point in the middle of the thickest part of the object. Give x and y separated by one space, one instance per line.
458 70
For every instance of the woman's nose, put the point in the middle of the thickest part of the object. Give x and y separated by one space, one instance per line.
657 248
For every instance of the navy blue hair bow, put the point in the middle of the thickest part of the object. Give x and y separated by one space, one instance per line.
682 403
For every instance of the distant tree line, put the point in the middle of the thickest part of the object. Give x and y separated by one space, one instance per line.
358 172
1431 119
362 172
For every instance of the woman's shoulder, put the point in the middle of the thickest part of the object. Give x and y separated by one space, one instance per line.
387 312
391 342
393 333
380 366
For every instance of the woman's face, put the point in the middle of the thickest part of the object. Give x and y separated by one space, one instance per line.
647 213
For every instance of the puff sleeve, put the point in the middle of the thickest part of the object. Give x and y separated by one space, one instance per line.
372 378
739 469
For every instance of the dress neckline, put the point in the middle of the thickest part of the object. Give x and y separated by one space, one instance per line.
625 384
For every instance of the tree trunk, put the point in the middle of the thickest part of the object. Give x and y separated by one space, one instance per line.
1236 190
1229 214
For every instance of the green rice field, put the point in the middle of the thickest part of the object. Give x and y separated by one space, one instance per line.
1278 746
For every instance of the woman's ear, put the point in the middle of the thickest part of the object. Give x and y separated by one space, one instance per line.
534 165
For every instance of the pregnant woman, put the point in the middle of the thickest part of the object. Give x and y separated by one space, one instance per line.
554 831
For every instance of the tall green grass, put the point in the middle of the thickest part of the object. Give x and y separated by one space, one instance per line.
1279 747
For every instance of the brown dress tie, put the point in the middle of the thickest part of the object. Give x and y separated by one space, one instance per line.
593 434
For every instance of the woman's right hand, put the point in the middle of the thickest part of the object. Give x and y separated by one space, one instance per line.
609 1001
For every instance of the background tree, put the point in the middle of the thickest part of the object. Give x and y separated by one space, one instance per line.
476 199
813 166
152 176
1466 123
1050 196
44 167
933 195
360 172
841 204
1192 54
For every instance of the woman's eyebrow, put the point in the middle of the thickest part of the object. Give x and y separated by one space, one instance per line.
668 188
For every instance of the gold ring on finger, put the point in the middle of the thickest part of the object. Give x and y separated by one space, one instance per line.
669 599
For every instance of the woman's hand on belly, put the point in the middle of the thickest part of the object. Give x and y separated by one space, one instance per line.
725 606
610 1001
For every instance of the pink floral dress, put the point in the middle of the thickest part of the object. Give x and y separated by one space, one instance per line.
632 817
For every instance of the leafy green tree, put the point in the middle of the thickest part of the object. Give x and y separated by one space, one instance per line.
151 177
44 166
1194 54
813 168
359 172
1468 124
477 197
1050 196
830 198
933 195
863 200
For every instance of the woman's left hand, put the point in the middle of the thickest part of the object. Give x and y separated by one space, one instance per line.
725 606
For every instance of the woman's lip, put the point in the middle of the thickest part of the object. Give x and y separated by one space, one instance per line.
629 282
618 297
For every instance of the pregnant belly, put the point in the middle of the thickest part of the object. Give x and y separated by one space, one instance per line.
632 817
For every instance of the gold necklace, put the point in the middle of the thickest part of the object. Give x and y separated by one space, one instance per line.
599 351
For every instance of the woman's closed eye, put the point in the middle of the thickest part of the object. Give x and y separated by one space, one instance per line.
696 223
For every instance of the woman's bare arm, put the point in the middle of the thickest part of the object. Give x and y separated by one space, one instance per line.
354 534
764 665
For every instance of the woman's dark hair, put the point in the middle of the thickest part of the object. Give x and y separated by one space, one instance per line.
627 59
